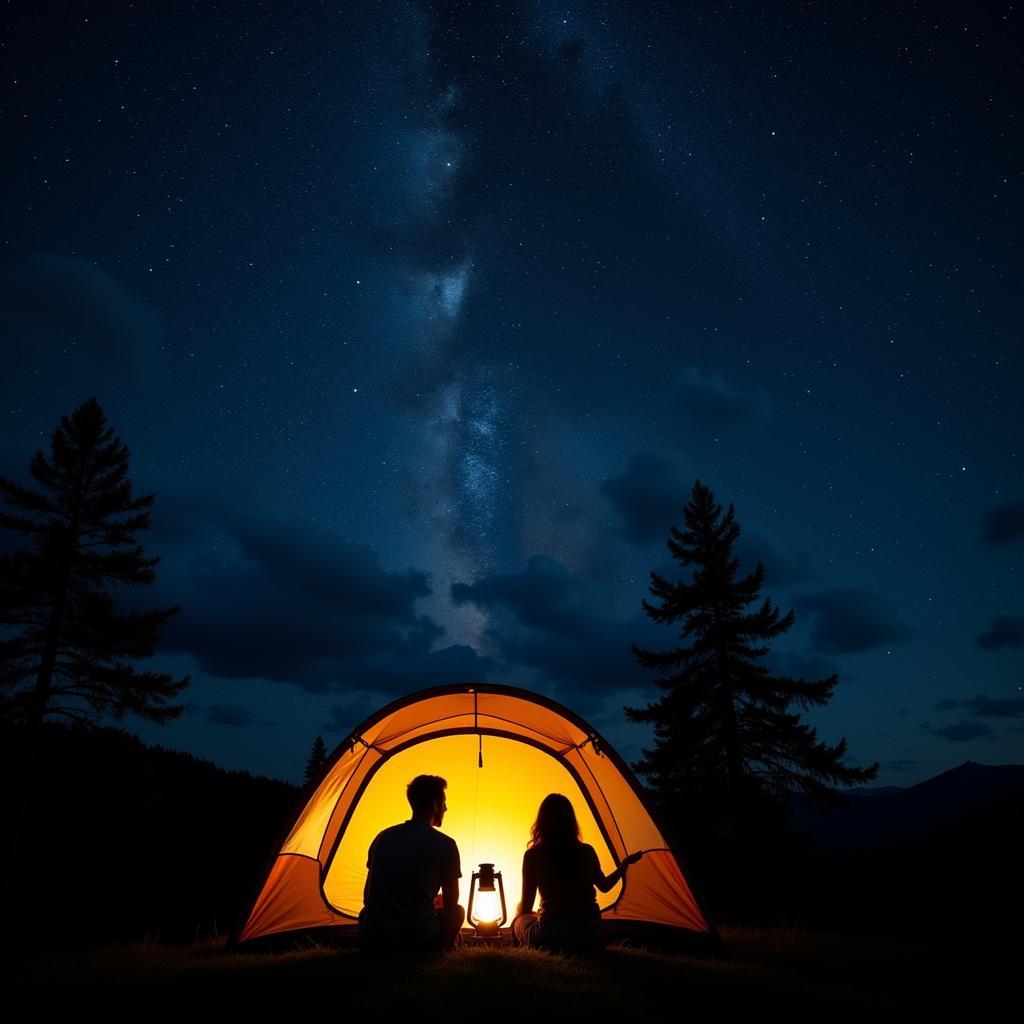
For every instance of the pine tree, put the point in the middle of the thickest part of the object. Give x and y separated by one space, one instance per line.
728 743
316 760
71 657
65 649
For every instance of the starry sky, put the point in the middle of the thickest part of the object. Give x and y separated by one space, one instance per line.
421 320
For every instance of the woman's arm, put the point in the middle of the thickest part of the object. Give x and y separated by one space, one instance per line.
605 882
529 888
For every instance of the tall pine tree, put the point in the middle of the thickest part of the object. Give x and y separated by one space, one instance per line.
729 743
65 649
72 655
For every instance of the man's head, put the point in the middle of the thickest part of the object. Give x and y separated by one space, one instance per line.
426 798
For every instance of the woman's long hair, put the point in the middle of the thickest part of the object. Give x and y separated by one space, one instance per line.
556 826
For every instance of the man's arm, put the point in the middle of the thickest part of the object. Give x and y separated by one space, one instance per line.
450 887
450 896
369 871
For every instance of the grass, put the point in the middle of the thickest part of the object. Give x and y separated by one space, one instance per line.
768 971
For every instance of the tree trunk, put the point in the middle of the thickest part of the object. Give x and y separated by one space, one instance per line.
733 761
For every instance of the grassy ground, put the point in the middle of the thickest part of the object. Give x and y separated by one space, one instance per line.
797 974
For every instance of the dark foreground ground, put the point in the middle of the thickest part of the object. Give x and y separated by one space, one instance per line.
781 974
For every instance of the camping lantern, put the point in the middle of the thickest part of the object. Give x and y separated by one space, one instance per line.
486 912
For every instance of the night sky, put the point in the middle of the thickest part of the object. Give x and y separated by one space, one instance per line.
421 319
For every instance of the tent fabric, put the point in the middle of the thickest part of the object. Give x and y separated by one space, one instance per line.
529 745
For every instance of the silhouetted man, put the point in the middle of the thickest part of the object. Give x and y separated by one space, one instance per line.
408 864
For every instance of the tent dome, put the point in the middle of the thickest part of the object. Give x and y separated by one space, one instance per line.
501 750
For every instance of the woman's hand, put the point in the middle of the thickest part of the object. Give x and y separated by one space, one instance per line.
605 882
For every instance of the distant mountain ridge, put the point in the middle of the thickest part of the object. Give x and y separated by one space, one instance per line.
974 811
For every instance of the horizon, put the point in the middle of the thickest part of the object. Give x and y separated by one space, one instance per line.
121 728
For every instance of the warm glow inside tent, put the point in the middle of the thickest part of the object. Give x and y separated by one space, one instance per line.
529 747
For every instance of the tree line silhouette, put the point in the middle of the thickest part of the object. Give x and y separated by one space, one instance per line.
127 841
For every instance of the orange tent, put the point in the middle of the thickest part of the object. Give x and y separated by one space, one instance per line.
501 750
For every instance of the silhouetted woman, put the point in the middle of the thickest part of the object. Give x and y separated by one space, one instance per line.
565 871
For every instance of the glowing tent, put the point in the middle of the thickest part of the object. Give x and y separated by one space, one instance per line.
502 751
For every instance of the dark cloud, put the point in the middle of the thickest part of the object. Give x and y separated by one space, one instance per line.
353 709
964 731
851 620
1005 523
564 626
903 764
946 705
559 514
395 673
800 666
229 714
545 595
995 707
275 597
649 496
374 681
73 300
706 402
903 711
1004 631
784 564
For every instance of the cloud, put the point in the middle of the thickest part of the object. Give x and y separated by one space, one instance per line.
995 707
558 513
903 764
784 563
373 682
790 664
964 731
1004 524
945 705
78 301
649 496
1004 631
562 625
271 596
353 709
707 403
545 595
229 714
396 673
851 620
